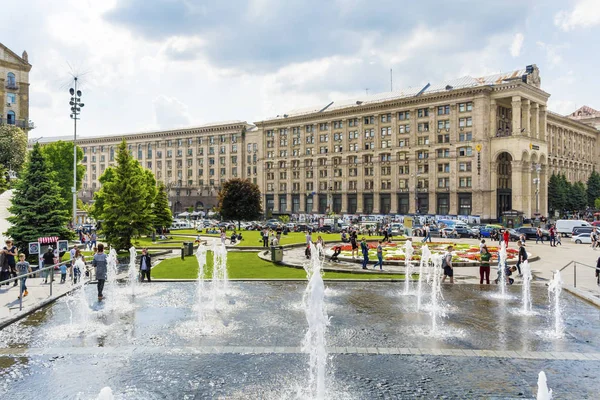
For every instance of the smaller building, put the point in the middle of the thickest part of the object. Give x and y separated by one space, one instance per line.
14 88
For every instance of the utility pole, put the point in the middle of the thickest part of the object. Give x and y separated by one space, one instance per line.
76 106
391 80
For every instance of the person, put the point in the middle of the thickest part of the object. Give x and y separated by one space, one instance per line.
337 249
10 252
63 273
482 245
48 258
594 237
233 238
598 272
72 258
307 251
265 237
426 233
76 269
4 268
539 236
145 265
522 256
379 257
365 252
508 272
522 238
484 268
223 236
93 239
386 237
275 241
22 269
506 237
447 265
278 233
390 235
99 262
552 236
557 240
354 243
345 237
308 237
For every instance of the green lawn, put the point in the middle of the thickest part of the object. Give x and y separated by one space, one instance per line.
254 238
247 265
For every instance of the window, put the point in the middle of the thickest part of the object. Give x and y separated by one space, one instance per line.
386 118
443 204
324 138
423 169
323 126
179 153
444 168
464 166
386 185
386 170
140 153
403 183
464 182
310 139
443 110
443 153
11 98
444 124
404 115
422 140
403 170
464 107
443 182
443 138
353 122
369 145
386 131
369 120
403 143
338 124
422 154
423 127
353 135
465 122
464 204
111 154
386 144
179 142
423 183
11 82
423 112
403 155
308 128
465 151
323 150
465 136
369 133
190 152
404 128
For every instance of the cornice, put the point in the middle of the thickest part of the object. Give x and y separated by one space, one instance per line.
560 119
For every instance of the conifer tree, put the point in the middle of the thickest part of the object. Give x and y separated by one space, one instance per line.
162 212
593 188
37 206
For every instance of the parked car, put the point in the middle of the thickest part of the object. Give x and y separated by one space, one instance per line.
581 229
460 231
397 229
585 238
565 226
531 233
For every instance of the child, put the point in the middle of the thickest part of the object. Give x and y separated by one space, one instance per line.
23 268
63 273
77 269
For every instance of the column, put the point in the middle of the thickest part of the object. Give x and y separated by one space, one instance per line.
376 200
315 206
528 190
288 201
453 209
393 202
517 186
542 122
344 209
526 117
302 203
359 202
535 121
516 115
275 203
543 199
412 200
493 118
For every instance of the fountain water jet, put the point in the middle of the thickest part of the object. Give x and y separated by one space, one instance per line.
425 257
220 282
133 271
408 253
543 393
436 292
316 315
554 290
526 288
111 278
501 271
201 258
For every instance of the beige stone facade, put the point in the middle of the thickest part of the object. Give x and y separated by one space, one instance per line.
474 146
14 88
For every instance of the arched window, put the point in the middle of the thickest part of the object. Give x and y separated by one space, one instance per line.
112 153
149 150
140 154
11 81
10 118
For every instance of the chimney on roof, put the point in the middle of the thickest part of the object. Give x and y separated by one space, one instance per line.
25 56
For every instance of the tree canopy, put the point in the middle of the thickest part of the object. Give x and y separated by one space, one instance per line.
162 212
60 156
240 200
593 188
13 147
124 202
37 206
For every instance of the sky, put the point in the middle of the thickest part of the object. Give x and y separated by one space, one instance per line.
162 64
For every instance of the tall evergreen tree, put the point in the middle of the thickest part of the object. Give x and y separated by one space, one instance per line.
556 194
60 157
161 210
127 199
37 206
567 191
579 196
593 188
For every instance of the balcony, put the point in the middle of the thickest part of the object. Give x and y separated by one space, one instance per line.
20 123
12 85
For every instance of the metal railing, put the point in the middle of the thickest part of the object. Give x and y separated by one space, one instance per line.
584 270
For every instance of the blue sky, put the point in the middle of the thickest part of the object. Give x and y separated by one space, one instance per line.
158 64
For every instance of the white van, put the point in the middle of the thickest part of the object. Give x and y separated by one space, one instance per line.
565 227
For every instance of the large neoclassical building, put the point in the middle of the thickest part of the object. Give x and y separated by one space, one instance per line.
474 146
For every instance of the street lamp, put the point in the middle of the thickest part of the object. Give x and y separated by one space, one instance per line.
536 181
76 106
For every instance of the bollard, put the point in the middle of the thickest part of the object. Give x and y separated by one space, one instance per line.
182 253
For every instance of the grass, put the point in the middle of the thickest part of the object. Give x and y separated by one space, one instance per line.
254 238
247 266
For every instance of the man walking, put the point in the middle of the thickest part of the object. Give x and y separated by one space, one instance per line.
100 263
426 234
522 256
552 238
379 257
447 265
10 252
48 258
365 252
145 265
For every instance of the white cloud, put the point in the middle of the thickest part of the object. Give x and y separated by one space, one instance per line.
517 45
170 112
585 14
552 52
562 107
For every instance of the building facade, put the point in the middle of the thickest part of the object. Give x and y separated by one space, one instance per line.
474 146
14 88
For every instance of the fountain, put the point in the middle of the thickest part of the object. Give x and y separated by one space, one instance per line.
408 253
436 292
111 278
314 341
105 394
526 288
201 257
133 270
219 282
554 290
425 257
543 392
501 271
82 302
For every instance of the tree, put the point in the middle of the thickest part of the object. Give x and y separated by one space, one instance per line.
126 198
37 207
162 212
593 188
284 219
556 194
3 179
578 196
239 200
60 156
13 147
567 190
597 203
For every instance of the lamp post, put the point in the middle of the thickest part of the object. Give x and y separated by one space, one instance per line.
536 181
76 106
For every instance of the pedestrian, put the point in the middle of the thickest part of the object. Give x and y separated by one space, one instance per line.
4 268
265 237
63 273
48 258
10 252
598 272
426 233
72 258
145 265
552 236
100 263
484 268
93 239
379 256
522 256
365 252
223 236
447 265
594 237
278 233
557 239
506 237
22 269
386 237
482 245
354 243
539 236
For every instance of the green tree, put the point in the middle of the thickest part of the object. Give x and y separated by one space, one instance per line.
597 203
98 205
162 212
3 179
578 196
284 219
567 189
37 207
127 196
60 156
556 194
13 147
239 200
593 188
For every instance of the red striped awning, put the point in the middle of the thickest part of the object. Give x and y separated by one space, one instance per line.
50 239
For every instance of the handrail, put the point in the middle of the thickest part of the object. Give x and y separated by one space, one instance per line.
575 264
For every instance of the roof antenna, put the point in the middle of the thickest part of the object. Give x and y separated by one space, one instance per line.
391 80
